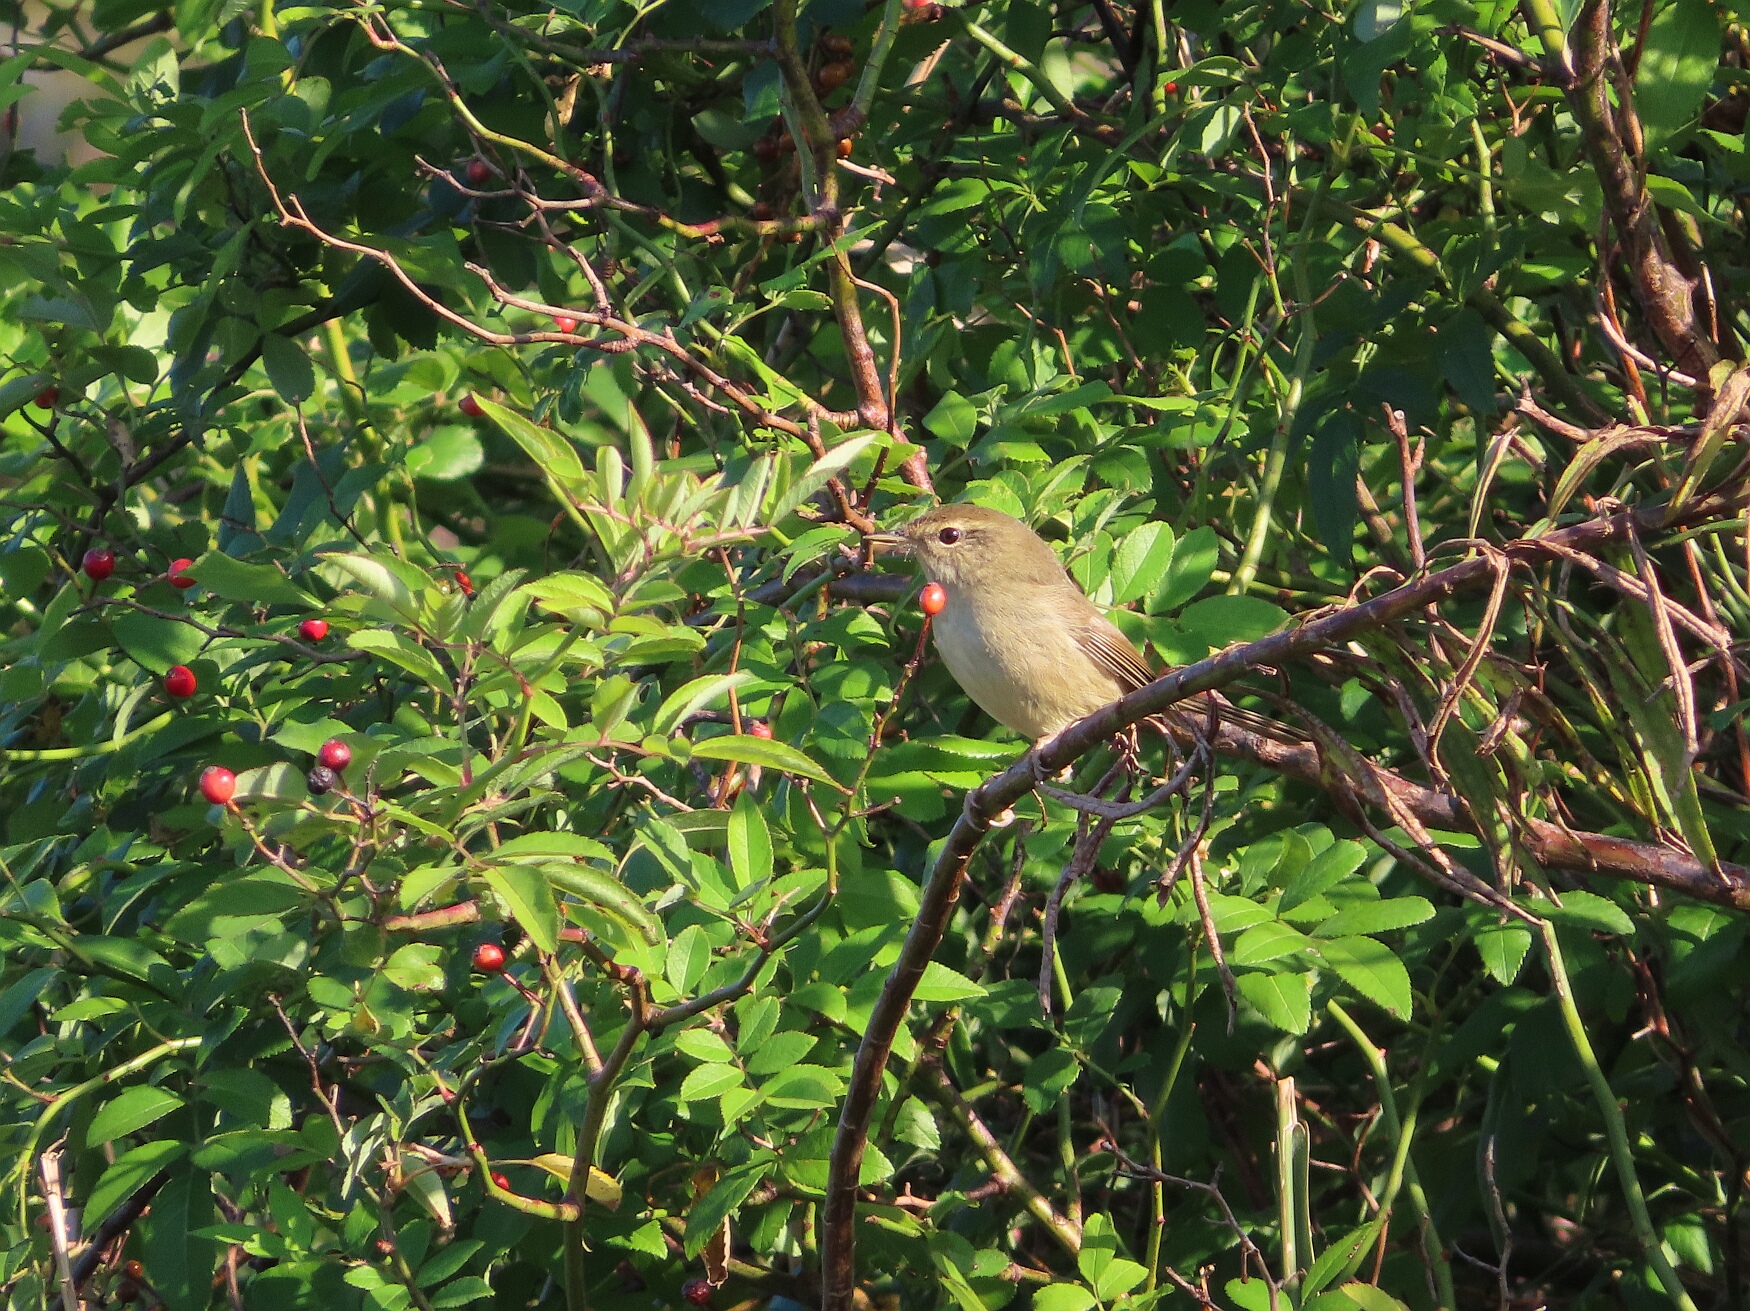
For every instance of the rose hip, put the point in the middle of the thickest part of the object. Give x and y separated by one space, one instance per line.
218 784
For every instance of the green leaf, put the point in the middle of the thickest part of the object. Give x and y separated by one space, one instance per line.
818 474
128 1113
703 1045
1267 942
461 1292
1372 969
690 698
608 895
954 419
1283 999
750 843
689 956
1376 917
156 644
708 1081
1141 562
448 453
553 454
251 584
1195 556
418 967
404 653
764 751
379 580
803 1087
276 782
288 368
1062 1297
18 392
1587 910
525 894
130 1171
1222 621
1503 948
1119 1278
1048 1078
1340 1256
579 597
705 1219
1677 68
1369 1298
943 984
179 1257
1323 872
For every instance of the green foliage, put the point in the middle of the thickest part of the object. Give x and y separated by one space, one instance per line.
525 349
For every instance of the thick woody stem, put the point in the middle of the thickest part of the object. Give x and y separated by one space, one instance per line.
1610 134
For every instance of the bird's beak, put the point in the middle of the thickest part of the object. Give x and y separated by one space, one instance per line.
894 540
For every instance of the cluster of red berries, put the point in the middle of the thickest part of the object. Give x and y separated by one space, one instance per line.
99 563
219 785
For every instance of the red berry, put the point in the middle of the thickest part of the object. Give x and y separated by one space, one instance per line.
564 323
98 564
833 76
218 784
313 630
697 1291
759 728
844 147
135 1270
335 754
471 407
489 958
1171 88
465 583
179 682
933 599
178 578
48 398
500 1181
479 172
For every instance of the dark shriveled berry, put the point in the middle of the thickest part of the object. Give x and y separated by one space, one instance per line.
321 780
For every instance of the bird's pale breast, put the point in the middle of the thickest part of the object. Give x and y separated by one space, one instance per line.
1020 663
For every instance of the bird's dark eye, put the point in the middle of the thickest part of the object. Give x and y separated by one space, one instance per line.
948 536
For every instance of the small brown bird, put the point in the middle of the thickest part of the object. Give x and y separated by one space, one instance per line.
1016 631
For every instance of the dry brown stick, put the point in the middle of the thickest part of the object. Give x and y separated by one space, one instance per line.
1411 462
49 1164
1681 685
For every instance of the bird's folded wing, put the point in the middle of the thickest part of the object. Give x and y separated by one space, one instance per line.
1111 651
